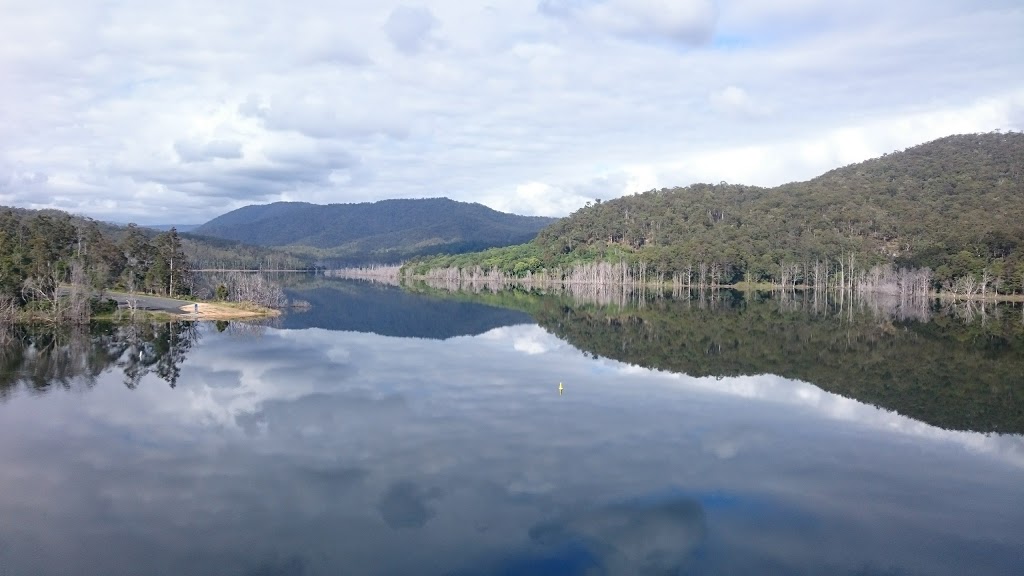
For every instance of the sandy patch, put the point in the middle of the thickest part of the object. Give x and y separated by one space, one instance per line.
220 312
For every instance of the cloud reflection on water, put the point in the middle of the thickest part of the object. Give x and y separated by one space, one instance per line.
332 450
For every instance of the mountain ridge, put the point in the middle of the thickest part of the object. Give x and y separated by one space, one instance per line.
382 231
386 231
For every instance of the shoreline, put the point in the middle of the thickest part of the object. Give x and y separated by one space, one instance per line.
226 311
181 309
156 309
739 286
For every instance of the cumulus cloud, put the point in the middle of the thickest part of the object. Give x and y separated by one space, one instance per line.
23 188
689 22
736 101
536 199
14 179
321 116
126 112
409 28
192 151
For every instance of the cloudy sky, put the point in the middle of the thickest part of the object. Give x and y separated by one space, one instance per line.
180 110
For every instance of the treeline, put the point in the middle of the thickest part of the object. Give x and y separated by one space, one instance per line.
52 264
952 207
907 285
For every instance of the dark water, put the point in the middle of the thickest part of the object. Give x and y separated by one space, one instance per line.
391 311
213 449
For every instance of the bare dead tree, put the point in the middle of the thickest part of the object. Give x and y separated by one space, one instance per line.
8 310
716 273
79 294
384 274
252 287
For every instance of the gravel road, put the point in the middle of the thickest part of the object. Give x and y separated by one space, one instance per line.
155 303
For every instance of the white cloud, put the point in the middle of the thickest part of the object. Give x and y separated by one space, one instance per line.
735 101
535 199
125 111
409 28
684 21
192 151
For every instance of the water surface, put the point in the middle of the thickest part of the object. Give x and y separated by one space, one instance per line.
213 449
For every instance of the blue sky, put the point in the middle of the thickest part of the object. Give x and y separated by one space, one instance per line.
182 110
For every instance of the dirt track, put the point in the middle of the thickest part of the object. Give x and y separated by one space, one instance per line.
183 308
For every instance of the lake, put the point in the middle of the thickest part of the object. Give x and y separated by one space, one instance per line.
386 432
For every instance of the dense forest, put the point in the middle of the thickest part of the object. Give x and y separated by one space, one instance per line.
963 375
209 253
954 206
53 264
381 232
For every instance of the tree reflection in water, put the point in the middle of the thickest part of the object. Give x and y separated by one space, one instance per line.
40 358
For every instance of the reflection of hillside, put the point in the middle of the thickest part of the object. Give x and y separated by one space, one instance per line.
945 372
359 306
41 358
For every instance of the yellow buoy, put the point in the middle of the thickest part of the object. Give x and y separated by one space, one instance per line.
560 388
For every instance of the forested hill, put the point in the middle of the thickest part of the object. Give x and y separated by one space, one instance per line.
954 205
40 250
385 231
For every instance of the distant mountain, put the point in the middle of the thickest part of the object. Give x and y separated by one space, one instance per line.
385 231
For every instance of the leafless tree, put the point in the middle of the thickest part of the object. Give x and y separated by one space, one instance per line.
254 287
384 274
78 296
8 310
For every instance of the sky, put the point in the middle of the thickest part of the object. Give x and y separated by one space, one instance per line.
180 110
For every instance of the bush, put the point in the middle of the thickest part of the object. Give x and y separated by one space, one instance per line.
102 306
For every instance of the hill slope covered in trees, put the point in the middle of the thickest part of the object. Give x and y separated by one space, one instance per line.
953 205
385 231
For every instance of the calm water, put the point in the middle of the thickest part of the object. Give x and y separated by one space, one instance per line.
430 438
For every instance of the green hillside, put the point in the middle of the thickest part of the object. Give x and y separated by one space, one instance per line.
954 205
385 231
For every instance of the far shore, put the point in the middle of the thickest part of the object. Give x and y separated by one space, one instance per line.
740 286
